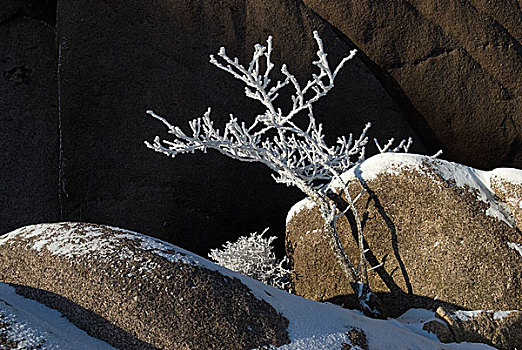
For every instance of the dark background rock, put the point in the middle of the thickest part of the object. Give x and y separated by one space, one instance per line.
120 58
28 115
455 65
113 60
42 10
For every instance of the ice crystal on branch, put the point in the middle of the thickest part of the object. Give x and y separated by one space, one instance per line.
273 138
299 156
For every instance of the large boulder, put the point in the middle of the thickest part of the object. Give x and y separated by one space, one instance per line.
443 234
121 58
456 63
135 292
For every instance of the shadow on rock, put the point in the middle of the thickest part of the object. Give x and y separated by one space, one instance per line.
92 323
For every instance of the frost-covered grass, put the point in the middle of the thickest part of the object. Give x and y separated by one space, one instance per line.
312 325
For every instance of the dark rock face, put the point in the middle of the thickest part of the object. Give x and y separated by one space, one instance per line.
459 64
120 58
29 136
437 243
135 292
88 88
41 10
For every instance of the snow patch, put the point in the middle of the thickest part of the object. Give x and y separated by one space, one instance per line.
306 203
75 240
470 315
467 315
515 246
414 319
477 181
510 175
384 163
500 315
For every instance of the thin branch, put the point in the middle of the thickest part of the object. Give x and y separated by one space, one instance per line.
298 157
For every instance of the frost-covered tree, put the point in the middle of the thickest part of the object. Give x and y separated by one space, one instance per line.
253 256
295 150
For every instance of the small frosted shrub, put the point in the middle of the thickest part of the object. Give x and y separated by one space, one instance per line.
253 256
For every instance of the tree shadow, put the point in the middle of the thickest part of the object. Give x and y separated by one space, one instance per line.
393 231
397 301
92 323
395 304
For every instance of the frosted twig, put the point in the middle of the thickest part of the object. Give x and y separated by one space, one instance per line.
298 156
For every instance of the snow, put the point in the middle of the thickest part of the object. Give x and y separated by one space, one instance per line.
469 315
414 319
511 175
312 325
315 325
35 326
477 181
500 315
515 246
72 240
384 163
306 203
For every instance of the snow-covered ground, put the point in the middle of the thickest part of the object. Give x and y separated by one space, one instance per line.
27 324
317 326
312 325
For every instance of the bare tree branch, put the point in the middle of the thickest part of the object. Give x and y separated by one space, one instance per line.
298 157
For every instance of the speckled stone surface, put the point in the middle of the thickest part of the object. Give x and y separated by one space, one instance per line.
437 243
456 63
132 297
